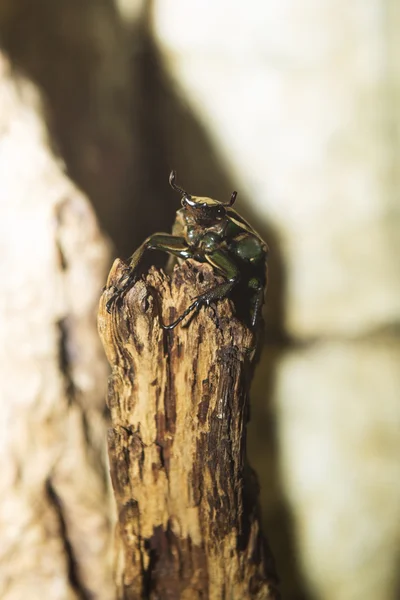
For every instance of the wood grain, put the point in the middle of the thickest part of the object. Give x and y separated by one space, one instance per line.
186 498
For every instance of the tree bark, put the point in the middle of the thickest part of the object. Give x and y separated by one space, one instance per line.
187 500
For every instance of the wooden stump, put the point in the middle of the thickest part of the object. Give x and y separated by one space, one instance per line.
186 498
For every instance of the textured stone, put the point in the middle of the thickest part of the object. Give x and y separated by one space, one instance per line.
338 419
55 526
301 101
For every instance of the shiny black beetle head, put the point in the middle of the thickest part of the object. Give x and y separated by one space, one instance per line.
203 210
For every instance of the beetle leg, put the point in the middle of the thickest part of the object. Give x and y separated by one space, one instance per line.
221 261
257 287
193 306
165 242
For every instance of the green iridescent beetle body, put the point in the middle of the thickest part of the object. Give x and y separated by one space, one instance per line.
213 232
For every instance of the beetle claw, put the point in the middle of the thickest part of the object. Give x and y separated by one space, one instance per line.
117 298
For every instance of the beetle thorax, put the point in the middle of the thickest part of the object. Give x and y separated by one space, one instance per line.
203 211
195 231
201 202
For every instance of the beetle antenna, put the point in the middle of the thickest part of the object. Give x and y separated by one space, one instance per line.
172 177
233 198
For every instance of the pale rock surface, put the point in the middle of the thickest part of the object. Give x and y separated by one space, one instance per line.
338 418
55 526
301 101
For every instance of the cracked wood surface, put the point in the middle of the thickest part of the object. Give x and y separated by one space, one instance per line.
186 498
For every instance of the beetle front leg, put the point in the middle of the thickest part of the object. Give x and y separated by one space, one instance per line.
177 246
221 261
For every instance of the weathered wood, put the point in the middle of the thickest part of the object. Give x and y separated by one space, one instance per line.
186 499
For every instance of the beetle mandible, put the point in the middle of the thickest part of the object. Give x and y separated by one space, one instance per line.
213 232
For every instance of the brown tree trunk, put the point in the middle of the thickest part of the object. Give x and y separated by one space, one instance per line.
186 498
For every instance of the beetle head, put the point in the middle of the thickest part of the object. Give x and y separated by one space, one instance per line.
203 210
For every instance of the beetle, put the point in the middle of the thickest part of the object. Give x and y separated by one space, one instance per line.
212 232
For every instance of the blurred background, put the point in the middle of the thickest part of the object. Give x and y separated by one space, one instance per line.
295 104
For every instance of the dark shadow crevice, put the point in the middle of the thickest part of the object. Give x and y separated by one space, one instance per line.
71 560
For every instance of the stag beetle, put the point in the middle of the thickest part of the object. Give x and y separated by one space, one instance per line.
213 232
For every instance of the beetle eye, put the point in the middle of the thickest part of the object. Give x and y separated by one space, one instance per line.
221 212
